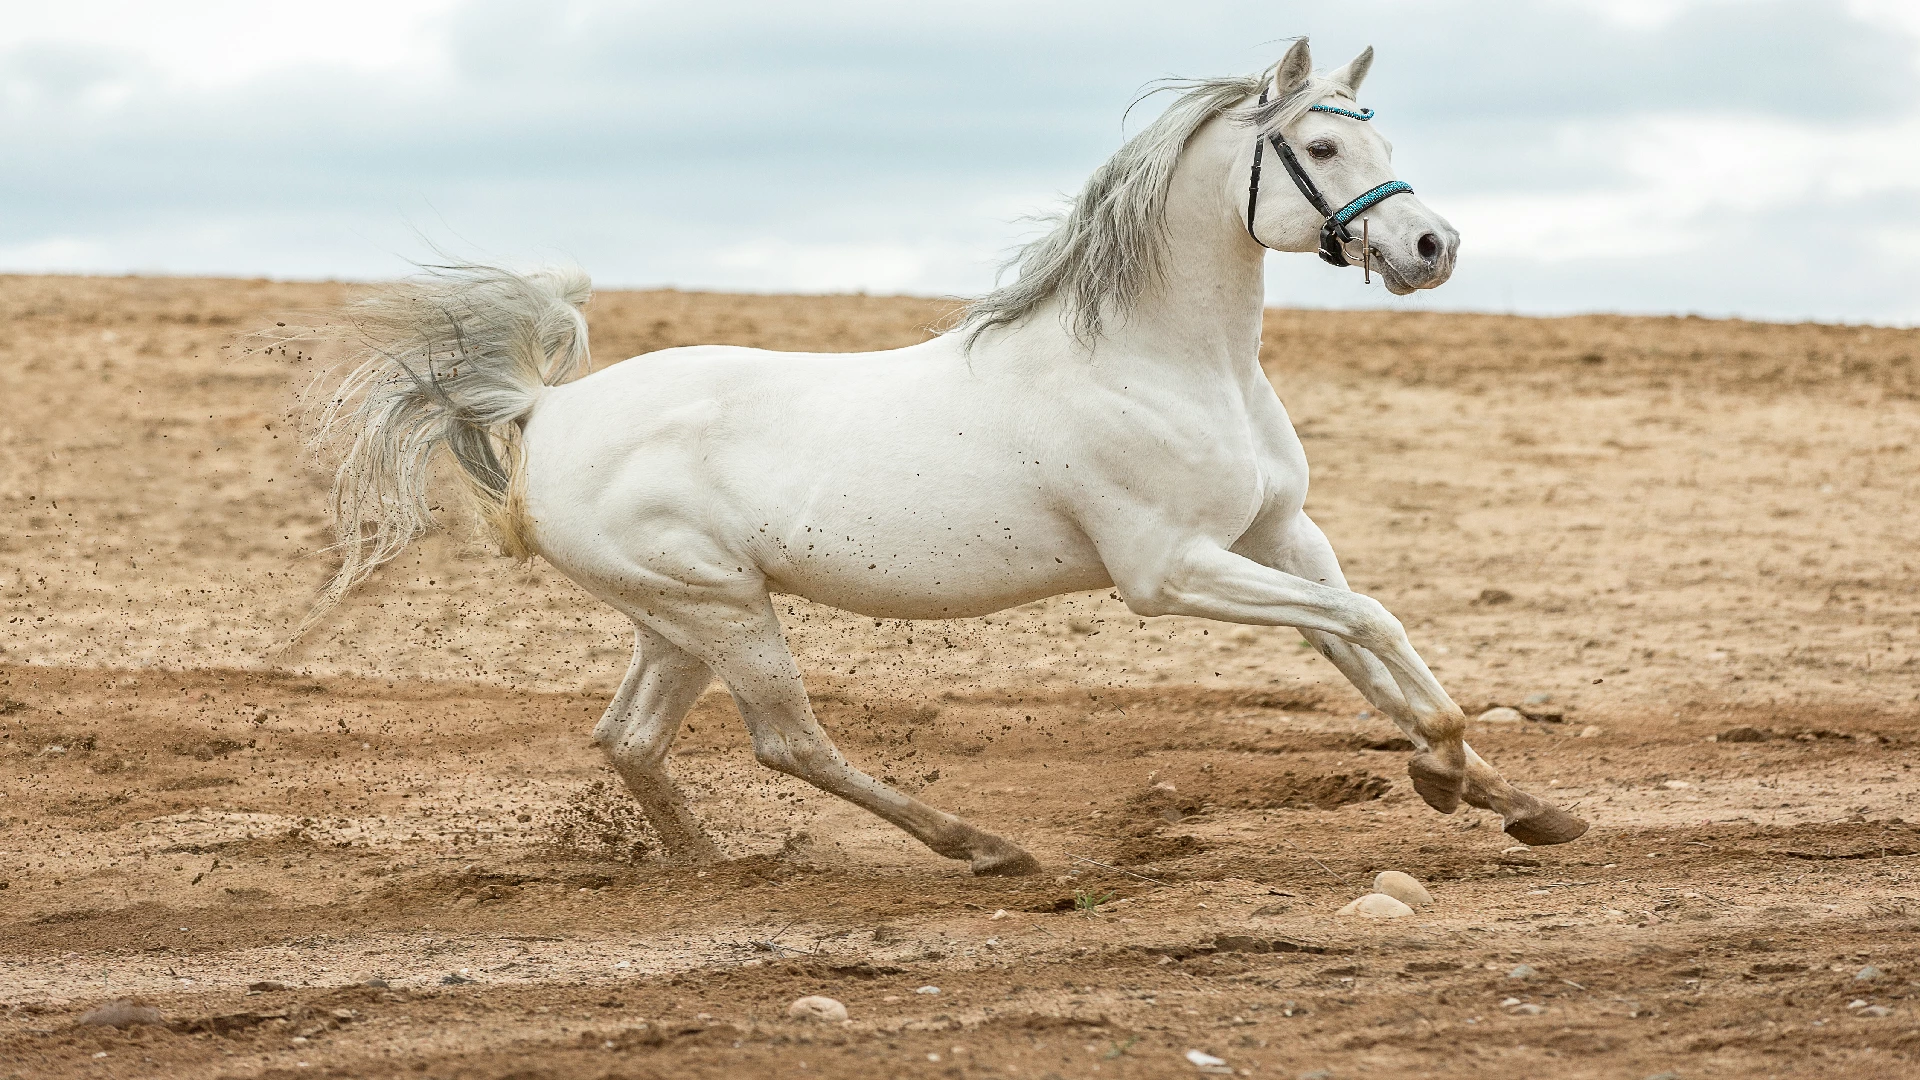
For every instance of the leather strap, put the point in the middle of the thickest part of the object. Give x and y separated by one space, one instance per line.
1334 236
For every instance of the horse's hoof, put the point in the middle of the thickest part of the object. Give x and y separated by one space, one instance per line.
1545 825
1438 785
1010 862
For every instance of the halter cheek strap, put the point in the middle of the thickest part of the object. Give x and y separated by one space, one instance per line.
1334 236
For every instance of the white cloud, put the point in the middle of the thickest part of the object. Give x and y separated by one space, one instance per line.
1586 149
216 43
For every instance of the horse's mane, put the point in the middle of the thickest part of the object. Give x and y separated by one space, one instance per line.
1109 243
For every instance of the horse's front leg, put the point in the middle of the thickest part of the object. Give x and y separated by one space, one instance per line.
1368 645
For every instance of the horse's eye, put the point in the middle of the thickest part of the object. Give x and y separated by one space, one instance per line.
1322 149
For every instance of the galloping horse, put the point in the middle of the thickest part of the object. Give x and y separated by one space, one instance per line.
1101 422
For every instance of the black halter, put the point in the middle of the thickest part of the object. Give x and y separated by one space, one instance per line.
1334 236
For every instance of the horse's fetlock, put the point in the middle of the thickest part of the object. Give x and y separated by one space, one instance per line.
957 841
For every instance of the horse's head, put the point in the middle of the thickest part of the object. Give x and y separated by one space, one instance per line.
1318 142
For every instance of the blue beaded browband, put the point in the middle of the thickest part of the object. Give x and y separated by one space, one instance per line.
1363 114
1334 237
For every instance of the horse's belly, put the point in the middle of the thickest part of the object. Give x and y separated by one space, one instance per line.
934 578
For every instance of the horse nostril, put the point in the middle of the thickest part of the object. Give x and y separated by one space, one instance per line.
1429 246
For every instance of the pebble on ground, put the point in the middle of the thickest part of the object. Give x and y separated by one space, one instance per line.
1402 887
813 1007
1377 906
1501 714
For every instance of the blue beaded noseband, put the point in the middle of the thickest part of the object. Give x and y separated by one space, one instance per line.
1335 240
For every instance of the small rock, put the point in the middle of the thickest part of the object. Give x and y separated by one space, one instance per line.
376 983
1207 1063
1590 731
1494 596
1858 1003
1509 1003
1867 974
824 1009
1500 714
1317 1074
1875 1010
623 965
1377 906
267 986
1522 971
1743 734
454 979
1528 1010
1000 913
1538 699
927 990
121 1014
1676 785
1402 887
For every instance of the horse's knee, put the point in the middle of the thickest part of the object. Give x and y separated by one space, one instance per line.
1372 627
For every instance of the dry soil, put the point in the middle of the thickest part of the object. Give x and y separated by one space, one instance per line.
390 850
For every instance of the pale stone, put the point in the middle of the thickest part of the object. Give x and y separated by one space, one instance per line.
1590 731
1402 887
1500 714
1206 1062
824 1009
1377 906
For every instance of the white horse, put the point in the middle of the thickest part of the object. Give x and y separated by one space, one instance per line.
1102 422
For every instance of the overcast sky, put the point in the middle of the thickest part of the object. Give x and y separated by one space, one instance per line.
1750 157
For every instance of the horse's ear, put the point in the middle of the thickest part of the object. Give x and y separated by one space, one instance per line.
1293 70
1355 72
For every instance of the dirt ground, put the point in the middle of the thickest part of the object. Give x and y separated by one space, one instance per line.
390 850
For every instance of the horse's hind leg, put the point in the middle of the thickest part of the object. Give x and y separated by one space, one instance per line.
746 648
638 728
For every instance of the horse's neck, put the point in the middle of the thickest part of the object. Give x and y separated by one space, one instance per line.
1200 321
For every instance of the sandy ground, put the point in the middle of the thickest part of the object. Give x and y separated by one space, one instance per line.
1667 528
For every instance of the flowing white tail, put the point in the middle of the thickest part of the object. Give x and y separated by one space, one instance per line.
455 357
